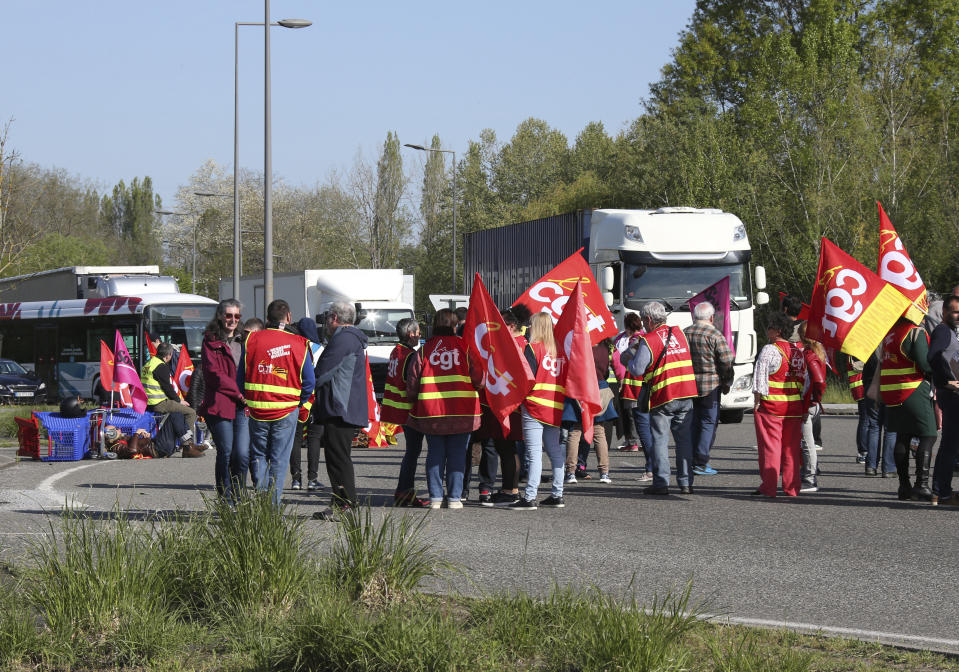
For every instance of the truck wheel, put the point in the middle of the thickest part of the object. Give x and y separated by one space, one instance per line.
731 417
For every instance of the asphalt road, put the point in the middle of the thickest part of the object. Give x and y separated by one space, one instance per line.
850 559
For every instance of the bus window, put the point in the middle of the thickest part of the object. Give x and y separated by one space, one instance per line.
180 324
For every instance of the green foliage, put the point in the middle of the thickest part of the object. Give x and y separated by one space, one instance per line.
129 214
56 250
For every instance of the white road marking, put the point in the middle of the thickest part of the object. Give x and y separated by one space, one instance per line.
45 495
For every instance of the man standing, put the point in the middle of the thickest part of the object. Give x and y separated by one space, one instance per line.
662 357
943 353
713 363
157 381
341 401
277 378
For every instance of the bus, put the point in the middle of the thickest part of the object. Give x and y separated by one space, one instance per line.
60 340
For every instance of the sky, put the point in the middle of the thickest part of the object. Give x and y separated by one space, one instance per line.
110 90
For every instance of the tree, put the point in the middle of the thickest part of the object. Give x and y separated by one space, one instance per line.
129 213
389 224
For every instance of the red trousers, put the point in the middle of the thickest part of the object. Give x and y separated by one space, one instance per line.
779 448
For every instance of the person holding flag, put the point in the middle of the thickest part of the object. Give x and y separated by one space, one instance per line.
442 382
542 413
162 397
662 357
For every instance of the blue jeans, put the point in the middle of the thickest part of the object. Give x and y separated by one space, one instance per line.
539 437
948 444
270 446
676 417
705 418
414 446
232 439
645 434
446 452
875 421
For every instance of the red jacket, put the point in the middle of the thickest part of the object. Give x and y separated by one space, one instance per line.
221 395
817 377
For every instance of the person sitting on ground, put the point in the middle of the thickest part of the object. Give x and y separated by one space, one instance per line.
162 397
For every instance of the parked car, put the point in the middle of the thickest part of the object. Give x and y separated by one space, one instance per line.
19 386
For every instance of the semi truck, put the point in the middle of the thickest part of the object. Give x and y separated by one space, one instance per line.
382 297
86 282
668 254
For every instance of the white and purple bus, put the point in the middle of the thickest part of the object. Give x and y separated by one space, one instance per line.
60 340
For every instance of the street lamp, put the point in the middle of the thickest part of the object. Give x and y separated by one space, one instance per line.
193 266
267 233
446 151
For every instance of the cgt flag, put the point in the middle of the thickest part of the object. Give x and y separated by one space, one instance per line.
125 372
852 308
552 291
718 295
896 268
183 376
508 377
579 374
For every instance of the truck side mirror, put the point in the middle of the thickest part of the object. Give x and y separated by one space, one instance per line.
607 279
608 298
762 298
761 280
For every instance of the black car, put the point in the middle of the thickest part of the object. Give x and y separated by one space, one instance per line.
17 385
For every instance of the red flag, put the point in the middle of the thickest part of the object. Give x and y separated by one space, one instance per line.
508 377
579 374
551 292
803 312
183 375
852 307
125 372
106 366
896 268
372 430
718 295
150 346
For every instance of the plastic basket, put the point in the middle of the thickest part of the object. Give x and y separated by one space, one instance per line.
129 421
28 436
69 437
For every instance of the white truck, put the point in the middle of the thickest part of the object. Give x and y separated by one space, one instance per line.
86 282
382 297
668 254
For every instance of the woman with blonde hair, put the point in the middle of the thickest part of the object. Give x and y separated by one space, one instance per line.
542 413
815 356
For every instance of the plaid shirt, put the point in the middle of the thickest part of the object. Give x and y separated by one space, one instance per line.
711 355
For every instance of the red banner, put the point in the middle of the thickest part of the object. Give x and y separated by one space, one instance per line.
579 375
508 377
896 268
852 308
125 372
106 367
550 293
183 375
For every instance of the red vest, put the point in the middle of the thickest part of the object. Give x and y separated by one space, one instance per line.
274 360
898 375
785 384
631 385
674 377
445 385
855 381
396 405
545 400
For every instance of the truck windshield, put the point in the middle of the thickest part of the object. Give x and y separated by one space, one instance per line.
380 325
678 284
180 324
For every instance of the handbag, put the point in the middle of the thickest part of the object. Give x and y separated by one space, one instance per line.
643 401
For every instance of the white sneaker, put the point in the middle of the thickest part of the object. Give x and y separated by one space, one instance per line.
570 478
455 505
604 478
809 488
436 505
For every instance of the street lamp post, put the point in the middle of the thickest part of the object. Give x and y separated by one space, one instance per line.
193 265
237 245
446 151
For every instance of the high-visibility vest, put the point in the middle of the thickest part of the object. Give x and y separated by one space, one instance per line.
785 383
155 393
274 361
632 386
445 385
855 381
545 400
396 405
674 378
898 375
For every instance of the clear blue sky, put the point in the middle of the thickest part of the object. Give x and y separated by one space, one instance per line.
110 90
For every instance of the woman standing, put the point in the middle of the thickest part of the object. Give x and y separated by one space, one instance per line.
442 382
223 405
542 414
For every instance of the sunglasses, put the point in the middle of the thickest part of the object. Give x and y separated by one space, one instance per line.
232 316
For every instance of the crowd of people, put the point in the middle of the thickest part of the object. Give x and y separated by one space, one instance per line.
270 389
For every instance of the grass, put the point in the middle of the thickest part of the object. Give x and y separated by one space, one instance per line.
245 589
8 427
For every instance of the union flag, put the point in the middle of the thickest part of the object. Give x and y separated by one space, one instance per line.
896 268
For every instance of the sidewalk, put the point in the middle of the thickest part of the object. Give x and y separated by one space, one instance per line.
840 409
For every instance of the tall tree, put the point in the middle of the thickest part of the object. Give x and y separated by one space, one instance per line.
129 212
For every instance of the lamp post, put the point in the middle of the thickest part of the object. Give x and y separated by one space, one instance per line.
446 151
268 227
193 265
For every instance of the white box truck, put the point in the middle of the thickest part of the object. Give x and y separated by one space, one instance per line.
382 297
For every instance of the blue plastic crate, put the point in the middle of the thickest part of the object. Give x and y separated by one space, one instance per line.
70 437
129 421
